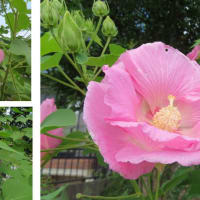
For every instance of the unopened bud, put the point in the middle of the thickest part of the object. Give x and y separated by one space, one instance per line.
79 18
100 8
69 35
89 26
1 55
51 13
109 29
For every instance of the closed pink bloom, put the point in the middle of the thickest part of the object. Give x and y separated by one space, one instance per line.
47 107
1 55
146 110
195 53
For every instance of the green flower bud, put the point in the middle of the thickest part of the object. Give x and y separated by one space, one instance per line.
79 18
51 13
89 26
100 8
108 28
69 34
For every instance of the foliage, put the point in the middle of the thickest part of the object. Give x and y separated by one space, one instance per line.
15 70
16 153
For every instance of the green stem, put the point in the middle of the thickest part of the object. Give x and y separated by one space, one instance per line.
66 138
5 78
106 46
102 53
59 81
19 65
70 80
66 55
79 196
95 33
157 184
73 63
147 188
14 84
137 188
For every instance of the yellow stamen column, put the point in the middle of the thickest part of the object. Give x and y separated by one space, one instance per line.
168 118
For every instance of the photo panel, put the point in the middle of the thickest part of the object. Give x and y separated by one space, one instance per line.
16 153
120 99
15 50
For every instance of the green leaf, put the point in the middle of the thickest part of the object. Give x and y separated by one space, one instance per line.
194 178
17 187
97 39
107 59
48 62
49 45
81 58
7 148
53 195
58 119
177 179
15 109
20 47
23 22
20 5
27 132
116 50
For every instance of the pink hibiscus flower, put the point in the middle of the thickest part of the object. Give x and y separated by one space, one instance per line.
146 110
1 55
47 107
195 53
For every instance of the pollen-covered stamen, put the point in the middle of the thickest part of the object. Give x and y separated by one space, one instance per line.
168 118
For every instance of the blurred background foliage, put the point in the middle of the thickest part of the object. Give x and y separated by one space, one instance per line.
174 22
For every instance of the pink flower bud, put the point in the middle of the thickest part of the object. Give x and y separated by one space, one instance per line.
195 53
1 55
47 107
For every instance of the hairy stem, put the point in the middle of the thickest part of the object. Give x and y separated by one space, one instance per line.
102 53
95 33
79 196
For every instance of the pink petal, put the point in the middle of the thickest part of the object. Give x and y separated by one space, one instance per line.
159 70
190 112
150 138
1 55
193 132
110 139
136 155
47 107
195 53
121 99
49 142
162 148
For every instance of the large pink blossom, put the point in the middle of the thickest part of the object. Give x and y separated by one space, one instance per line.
47 107
146 110
195 53
1 55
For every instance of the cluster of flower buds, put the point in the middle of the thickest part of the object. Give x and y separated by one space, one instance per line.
109 29
51 12
85 25
72 27
69 34
101 9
